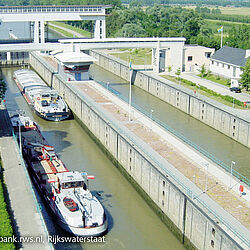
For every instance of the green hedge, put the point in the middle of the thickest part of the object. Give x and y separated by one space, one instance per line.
211 92
5 222
3 88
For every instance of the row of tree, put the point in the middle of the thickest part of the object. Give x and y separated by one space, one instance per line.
165 21
236 3
230 18
115 3
207 10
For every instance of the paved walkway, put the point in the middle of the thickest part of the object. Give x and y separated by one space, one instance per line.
74 33
221 89
27 220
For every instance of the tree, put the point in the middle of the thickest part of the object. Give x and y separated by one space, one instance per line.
135 3
169 69
131 30
245 76
178 72
203 70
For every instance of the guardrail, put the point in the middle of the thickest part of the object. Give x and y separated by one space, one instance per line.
59 8
227 168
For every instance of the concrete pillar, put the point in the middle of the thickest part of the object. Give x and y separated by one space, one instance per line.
156 58
97 33
42 32
176 54
8 56
103 28
36 32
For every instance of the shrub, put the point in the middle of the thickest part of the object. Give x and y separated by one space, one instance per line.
5 222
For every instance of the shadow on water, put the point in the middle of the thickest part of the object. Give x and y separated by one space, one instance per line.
104 198
57 139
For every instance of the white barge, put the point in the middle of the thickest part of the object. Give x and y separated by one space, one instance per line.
46 102
66 192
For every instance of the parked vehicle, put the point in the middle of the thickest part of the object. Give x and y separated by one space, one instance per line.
235 89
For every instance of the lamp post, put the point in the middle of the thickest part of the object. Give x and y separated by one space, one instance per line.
151 114
19 132
206 165
151 117
231 173
130 92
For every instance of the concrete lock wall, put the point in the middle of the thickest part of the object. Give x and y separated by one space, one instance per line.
185 218
232 125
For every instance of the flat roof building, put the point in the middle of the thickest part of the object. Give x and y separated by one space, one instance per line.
74 66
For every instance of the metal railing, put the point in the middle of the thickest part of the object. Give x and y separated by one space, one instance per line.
227 168
59 8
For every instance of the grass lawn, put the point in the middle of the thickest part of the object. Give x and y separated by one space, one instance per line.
81 31
136 56
206 92
220 80
5 222
64 32
244 11
216 24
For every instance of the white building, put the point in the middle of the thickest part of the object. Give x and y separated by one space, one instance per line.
227 62
195 56
74 66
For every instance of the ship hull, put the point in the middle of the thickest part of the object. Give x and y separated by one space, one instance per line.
85 232
60 116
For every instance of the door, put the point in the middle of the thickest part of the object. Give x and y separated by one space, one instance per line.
78 76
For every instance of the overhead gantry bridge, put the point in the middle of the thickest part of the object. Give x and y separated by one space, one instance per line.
173 47
41 14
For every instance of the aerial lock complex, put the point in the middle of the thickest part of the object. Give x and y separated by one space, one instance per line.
172 116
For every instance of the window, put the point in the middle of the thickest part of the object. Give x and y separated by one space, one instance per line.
212 62
207 54
212 243
234 71
217 64
228 66
190 58
222 65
